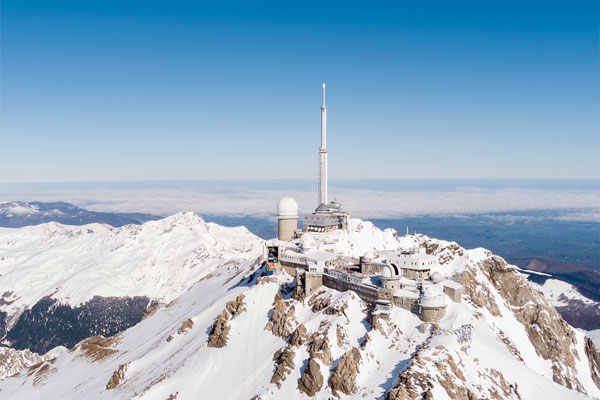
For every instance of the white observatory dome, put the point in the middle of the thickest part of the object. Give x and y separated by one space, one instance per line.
436 277
386 271
287 207
432 298
369 255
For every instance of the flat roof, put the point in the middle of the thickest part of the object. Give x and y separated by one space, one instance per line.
406 293
319 255
451 284
422 256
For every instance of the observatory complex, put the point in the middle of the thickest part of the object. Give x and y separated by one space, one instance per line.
405 278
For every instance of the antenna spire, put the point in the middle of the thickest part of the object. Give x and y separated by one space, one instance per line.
323 154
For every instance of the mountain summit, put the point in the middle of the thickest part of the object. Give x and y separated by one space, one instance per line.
214 323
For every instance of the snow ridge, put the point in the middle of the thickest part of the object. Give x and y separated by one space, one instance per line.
278 343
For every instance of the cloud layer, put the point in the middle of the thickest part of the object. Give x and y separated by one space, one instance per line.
242 200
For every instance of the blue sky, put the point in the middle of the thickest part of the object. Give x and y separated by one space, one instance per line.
126 90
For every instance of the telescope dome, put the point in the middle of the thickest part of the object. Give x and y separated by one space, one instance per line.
287 207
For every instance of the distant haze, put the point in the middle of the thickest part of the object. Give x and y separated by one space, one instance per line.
578 200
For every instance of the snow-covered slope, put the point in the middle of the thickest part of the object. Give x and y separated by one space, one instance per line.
559 293
575 308
60 284
236 334
159 259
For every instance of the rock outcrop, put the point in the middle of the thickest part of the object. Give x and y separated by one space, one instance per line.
551 336
319 348
311 380
594 359
219 331
117 376
96 348
284 364
344 378
282 322
185 326
12 361
299 336
237 306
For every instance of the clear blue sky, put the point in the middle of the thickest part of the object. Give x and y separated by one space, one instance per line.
145 90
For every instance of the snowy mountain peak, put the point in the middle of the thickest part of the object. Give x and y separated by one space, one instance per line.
159 259
218 311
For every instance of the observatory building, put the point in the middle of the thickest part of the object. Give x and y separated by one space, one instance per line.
405 278
287 218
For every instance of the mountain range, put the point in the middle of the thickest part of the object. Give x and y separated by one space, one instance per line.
16 214
178 307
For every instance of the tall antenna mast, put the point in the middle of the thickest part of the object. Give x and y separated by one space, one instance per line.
323 154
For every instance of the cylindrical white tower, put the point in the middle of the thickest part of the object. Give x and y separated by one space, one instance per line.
323 154
287 218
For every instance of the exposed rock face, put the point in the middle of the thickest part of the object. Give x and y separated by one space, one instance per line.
448 253
344 377
219 331
282 321
12 361
551 336
96 348
299 336
117 376
417 381
284 364
413 384
237 306
594 358
185 326
319 348
318 302
41 371
479 295
311 380
48 324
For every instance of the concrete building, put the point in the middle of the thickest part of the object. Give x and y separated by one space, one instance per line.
414 263
452 289
287 218
432 305
369 264
326 218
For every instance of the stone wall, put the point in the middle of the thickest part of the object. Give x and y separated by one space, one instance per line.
366 293
454 294
312 281
432 314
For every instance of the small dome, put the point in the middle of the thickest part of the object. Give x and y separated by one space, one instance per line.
432 298
436 277
369 255
386 271
287 207
307 242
